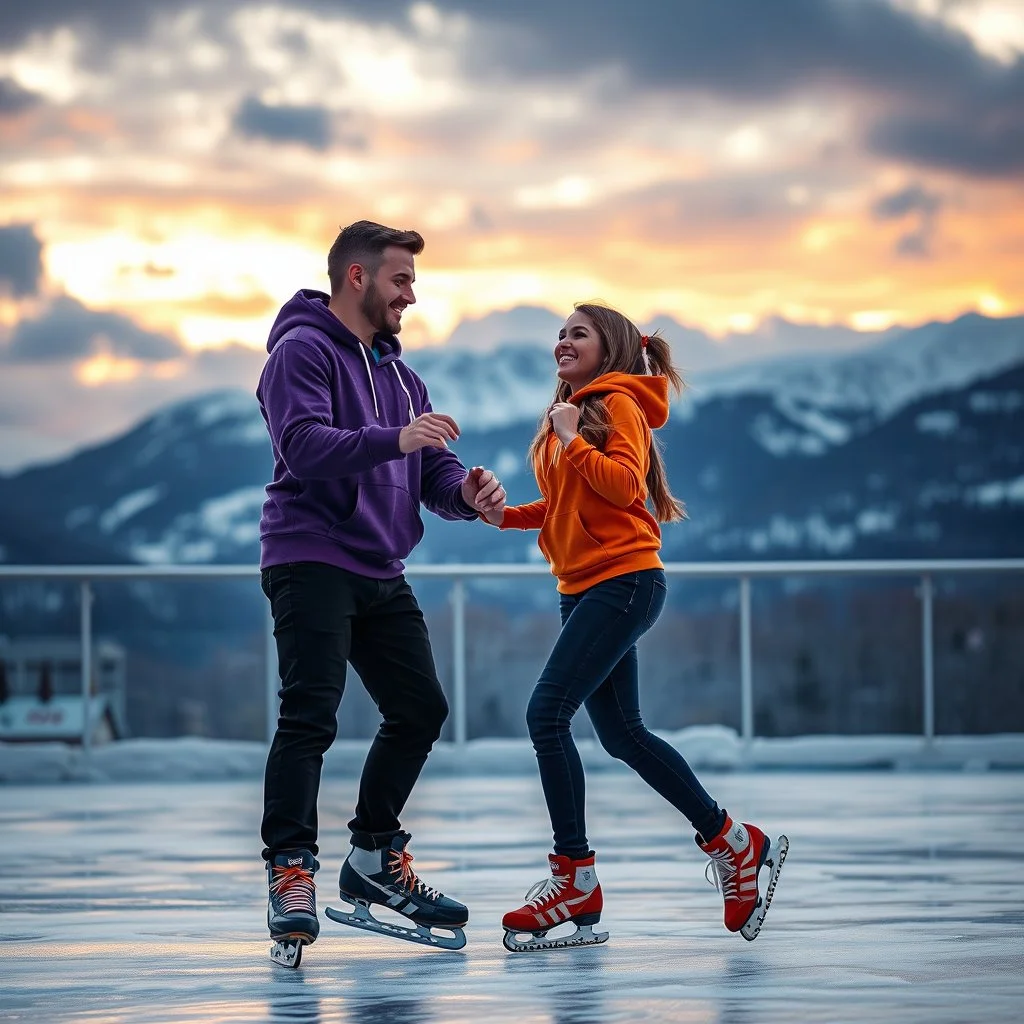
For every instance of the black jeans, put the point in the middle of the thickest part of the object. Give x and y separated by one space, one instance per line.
594 663
325 617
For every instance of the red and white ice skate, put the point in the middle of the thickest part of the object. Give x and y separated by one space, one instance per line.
737 855
571 894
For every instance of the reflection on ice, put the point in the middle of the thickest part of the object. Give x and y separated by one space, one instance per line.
902 900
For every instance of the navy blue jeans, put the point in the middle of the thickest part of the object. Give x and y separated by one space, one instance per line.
594 663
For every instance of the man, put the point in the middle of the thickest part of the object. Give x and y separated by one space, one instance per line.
357 448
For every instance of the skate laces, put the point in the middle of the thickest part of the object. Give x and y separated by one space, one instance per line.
722 866
544 890
401 864
294 888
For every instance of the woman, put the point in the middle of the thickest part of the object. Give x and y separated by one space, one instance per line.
597 465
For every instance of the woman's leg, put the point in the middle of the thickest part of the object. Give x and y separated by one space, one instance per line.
614 708
598 627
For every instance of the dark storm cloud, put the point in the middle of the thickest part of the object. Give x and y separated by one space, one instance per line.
740 47
947 105
938 101
67 330
119 17
981 139
21 265
14 99
309 126
746 48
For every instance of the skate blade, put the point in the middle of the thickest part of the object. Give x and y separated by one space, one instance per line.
360 917
583 936
287 952
777 858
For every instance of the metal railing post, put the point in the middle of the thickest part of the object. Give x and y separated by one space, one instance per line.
270 673
459 660
85 636
927 658
746 664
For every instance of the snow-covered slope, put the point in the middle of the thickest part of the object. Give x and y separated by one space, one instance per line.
820 399
913 444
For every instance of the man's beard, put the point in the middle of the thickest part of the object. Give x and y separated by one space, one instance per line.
375 309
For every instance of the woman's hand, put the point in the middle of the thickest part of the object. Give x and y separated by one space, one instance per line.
565 417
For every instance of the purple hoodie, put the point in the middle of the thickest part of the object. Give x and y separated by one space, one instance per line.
343 493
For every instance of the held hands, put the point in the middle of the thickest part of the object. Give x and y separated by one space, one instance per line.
428 430
565 417
483 491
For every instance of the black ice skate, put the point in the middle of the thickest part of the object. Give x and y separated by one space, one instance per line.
386 877
291 908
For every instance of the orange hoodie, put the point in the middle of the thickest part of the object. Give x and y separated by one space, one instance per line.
593 518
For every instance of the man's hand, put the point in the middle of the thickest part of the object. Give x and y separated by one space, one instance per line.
482 490
430 430
565 417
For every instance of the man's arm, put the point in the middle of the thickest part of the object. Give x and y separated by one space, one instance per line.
295 392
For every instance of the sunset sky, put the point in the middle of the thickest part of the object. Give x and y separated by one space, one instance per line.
171 172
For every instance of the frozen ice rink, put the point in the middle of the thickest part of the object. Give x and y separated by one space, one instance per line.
902 900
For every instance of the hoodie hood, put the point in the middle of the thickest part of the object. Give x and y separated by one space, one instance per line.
309 308
650 393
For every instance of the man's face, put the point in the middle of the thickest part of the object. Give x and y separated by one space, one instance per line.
390 291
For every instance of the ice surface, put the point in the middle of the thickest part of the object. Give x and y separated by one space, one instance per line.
902 900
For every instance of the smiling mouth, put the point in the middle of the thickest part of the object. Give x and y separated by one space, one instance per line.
566 358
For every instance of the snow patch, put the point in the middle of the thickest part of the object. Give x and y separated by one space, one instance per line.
130 505
232 520
223 406
942 422
983 402
813 420
998 492
875 520
781 440
782 532
508 464
234 516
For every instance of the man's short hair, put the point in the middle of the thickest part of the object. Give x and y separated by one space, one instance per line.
364 243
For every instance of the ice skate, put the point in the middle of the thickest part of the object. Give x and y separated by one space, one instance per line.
291 906
386 877
571 894
737 855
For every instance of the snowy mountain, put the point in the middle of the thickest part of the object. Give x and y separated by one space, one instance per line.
913 446
818 399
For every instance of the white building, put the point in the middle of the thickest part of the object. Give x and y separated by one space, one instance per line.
41 691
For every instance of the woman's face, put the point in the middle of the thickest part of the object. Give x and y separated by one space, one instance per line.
579 352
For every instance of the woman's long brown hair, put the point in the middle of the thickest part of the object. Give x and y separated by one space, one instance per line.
623 353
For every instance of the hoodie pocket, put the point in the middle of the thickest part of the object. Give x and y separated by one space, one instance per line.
568 545
384 525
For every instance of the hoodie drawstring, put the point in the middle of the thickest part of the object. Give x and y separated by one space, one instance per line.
373 390
412 411
369 377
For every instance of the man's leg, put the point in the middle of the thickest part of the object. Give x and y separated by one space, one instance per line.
391 652
312 605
